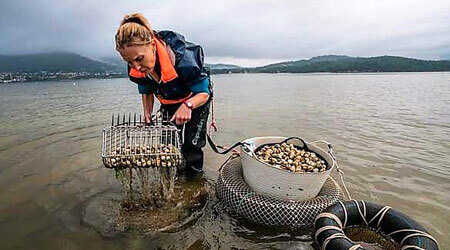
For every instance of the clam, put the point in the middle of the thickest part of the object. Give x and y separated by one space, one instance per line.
288 156
137 155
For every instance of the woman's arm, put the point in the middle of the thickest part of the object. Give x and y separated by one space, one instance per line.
183 113
147 103
199 99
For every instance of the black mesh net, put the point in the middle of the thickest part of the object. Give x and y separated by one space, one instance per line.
242 201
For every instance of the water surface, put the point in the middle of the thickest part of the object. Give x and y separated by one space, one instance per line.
390 133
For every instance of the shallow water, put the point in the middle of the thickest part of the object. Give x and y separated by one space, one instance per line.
390 133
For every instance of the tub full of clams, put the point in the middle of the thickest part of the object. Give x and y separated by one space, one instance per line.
285 168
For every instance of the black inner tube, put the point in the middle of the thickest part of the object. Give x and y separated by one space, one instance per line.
349 214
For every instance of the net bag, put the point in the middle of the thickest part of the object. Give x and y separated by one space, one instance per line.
240 200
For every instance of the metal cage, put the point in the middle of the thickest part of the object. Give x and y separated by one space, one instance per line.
132 143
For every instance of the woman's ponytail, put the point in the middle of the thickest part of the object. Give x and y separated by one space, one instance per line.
134 29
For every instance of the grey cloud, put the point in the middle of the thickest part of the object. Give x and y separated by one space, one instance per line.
253 30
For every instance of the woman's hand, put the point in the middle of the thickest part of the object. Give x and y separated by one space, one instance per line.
147 103
182 115
147 118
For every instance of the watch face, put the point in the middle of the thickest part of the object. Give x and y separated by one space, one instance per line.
189 104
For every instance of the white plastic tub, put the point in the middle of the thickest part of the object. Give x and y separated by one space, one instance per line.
283 184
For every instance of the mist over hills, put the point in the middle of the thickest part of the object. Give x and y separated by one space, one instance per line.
64 61
222 66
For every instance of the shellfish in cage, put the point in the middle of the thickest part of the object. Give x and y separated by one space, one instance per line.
146 156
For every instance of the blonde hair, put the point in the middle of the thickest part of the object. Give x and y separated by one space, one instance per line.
134 29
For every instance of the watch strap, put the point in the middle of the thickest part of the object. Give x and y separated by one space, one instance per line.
189 104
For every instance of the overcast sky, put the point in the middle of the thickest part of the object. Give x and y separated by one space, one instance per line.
245 32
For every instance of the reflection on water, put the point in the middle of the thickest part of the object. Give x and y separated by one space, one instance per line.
390 133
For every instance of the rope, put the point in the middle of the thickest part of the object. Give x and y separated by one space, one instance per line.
338 169
355 247
386 208
215 147
213 124
363 213
232 156
330 216
415 233
332 237
325 228
213 127
382 212
345 213
341 174
240 202
422 234
338 235
413 247
407 230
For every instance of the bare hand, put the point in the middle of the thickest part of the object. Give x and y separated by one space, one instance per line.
182 115
148 118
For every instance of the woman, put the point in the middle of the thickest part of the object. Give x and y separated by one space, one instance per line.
164 65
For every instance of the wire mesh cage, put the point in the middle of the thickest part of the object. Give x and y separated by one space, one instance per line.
131 143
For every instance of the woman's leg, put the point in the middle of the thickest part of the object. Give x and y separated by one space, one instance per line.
194 137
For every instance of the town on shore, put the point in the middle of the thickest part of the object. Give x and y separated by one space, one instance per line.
13 77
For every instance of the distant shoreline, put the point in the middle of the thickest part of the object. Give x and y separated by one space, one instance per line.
240 73
333 73
70 66
6 77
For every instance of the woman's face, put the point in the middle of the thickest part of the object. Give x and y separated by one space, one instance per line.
139 57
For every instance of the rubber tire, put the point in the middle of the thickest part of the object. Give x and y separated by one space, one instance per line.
393 220
240 200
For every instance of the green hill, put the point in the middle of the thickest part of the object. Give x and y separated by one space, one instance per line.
63 61
345 64
52 62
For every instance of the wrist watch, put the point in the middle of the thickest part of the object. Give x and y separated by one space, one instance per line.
189 104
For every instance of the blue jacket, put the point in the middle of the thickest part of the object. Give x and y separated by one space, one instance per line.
189 65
